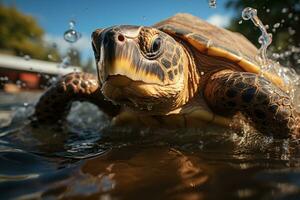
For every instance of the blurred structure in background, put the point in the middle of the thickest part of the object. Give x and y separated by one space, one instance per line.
17 73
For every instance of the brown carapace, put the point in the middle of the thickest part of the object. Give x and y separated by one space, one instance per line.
182 72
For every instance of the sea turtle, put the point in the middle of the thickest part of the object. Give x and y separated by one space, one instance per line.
181 72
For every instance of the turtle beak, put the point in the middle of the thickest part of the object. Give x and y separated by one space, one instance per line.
116 47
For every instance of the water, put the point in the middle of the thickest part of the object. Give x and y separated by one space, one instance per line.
289 75
212 3
265 39
71 35
276 25
88 159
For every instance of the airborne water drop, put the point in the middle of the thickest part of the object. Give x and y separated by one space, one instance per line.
212 3
276 25
71 35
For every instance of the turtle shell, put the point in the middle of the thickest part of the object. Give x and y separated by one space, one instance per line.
216 41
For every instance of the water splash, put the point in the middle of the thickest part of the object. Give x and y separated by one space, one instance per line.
212 3
265 39
71 35
288 75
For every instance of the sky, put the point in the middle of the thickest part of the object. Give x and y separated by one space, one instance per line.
54 15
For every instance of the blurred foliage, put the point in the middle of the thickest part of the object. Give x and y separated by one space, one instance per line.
21 35
286 38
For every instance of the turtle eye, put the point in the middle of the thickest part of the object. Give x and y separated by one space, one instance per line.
156 44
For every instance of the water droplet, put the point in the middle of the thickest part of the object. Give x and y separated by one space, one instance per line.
276 55
276 25
71 35
268 10
72 24
291 31
249 13
212 3
287 53
27 57
284 10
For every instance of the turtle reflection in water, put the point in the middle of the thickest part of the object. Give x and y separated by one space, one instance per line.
181 72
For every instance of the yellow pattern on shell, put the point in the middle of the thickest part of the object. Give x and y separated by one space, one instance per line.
217 42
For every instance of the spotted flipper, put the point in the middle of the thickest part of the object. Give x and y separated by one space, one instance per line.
55 103
270 109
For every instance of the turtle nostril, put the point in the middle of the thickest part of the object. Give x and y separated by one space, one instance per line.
121 38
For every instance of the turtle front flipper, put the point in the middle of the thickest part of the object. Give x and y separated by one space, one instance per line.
269 107
55 103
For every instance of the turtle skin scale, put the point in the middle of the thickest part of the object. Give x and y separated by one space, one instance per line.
270 109
55 104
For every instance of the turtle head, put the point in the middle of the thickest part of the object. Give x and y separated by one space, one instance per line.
140 67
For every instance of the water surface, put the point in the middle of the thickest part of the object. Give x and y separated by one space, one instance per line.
88 159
